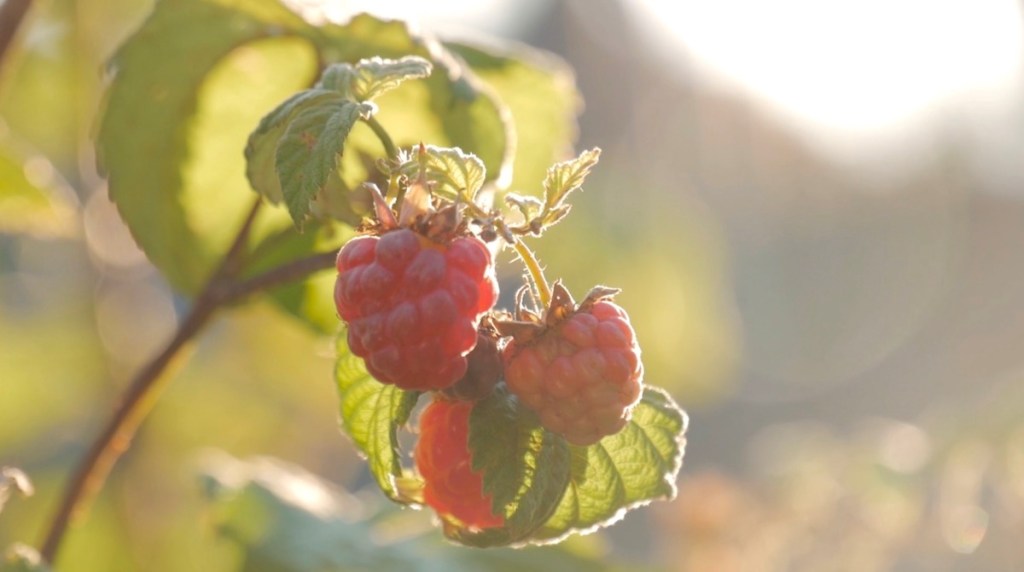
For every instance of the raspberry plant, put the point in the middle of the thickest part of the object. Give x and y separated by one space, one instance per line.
363 172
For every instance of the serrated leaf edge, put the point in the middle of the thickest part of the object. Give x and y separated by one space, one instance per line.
676 464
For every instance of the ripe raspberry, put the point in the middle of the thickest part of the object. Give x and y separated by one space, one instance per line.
443 459
413 305
581 375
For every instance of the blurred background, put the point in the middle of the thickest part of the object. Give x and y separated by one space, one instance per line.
815 210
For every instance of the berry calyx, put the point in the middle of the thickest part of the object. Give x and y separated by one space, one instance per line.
444 460
413 304
580 371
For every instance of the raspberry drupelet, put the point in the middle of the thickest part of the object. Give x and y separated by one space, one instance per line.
413 305
581 373
444 460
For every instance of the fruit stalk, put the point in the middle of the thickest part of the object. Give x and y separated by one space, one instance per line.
536 273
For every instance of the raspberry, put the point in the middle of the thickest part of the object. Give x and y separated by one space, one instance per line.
413 305
483 371
581 375
443 459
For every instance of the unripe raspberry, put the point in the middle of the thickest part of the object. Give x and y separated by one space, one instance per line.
581 374
444 461
483 371
413 305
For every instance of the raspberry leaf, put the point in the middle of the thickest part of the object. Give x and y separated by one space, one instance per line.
189 86
622 471
372 77
309 150
371 414
261 168
562 179
454 172
525 468
187 89
255 507
539 90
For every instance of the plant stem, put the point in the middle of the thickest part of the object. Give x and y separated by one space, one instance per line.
117 435
12 12
222 288
382 134
536 273
283 274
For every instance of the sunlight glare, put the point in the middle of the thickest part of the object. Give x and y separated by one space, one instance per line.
857 70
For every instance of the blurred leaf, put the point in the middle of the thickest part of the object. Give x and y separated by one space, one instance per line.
144 141
525 468
539 90
21 558
308 152
257 506
310 300
13 480
622 471
371 77
31 199
371 414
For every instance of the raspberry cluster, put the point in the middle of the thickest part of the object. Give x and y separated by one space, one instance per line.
581 375
413 305
443 458
415 291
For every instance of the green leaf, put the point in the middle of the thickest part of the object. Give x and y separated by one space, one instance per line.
188 87
254 504
454 172
562 179
261 150
21 558
12 481
622 471
451 107
524 467
539 90
308 152
33 198
371 414
371 77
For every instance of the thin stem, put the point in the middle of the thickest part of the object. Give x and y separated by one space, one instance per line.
382 134
141 396
536 273
117 434
12 12
281 275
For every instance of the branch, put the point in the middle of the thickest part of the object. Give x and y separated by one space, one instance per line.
12 12
117 435
141 395
284 274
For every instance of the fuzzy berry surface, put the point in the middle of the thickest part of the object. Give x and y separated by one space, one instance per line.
413 305
581 376
444 461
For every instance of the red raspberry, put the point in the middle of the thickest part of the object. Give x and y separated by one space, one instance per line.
443 459
413 305
581 375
